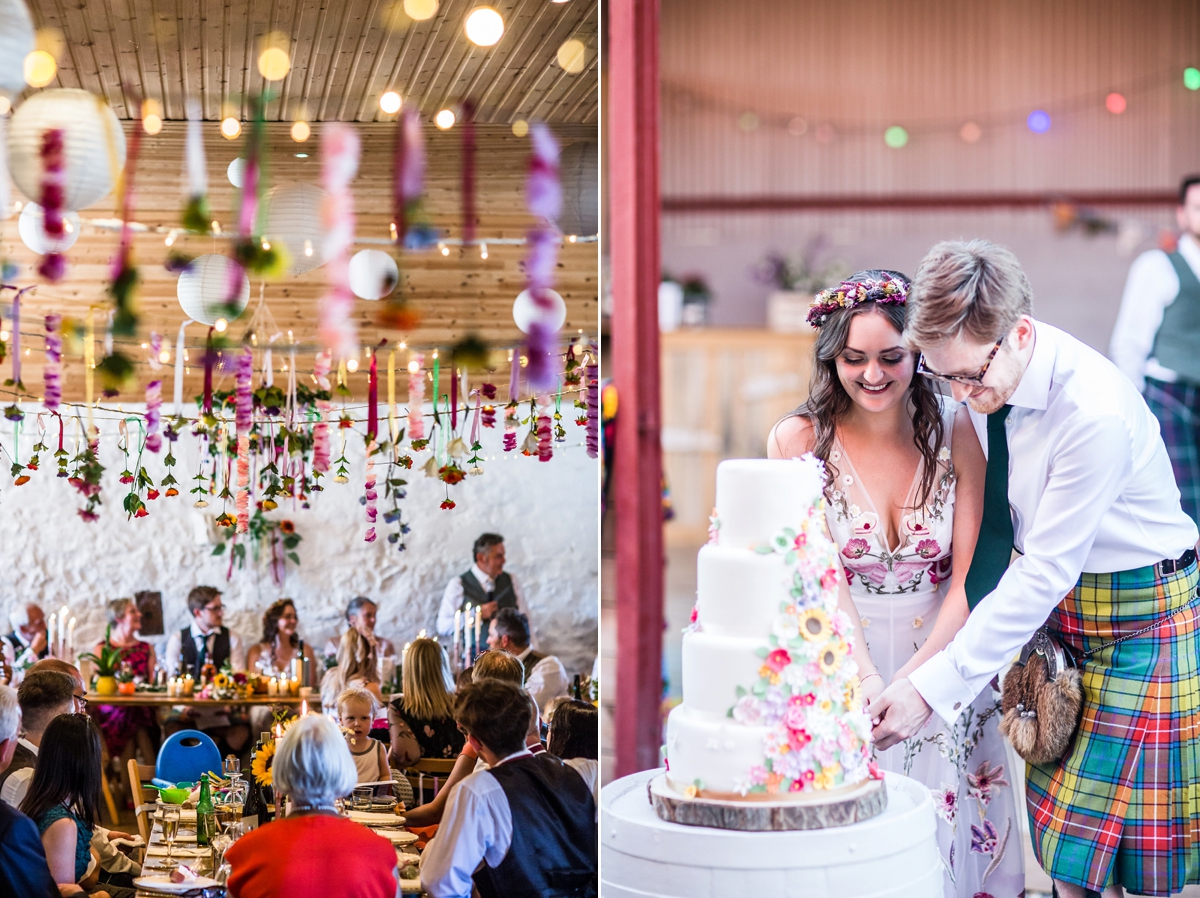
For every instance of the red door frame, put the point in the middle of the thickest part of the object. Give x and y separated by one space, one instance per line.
633 230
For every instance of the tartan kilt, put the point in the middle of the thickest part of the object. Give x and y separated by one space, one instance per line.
1123 805
1177 408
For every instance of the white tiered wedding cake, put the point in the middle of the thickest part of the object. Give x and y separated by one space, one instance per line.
771 707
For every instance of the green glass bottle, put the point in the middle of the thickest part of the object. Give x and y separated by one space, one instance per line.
206 815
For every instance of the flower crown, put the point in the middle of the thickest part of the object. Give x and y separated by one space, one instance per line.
849 294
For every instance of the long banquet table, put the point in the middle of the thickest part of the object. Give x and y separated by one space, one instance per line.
161 699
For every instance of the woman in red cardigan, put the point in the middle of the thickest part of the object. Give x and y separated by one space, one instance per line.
305 855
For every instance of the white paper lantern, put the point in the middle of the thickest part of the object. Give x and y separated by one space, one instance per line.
16 42
292 213
526 311
373 274
204 289
579 173
236 172
89 127
31 225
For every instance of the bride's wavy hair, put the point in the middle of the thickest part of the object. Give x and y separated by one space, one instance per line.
828 400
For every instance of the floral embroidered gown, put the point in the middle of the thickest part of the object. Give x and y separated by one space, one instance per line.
898 591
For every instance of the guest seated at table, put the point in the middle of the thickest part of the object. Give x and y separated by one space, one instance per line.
530 819
28 636
44 695
545 676
23 869
356 712
312 853
575 737
360 615
421 721
126 730
501 666
80 694
64 798
280 645
207 641
497 664
357 665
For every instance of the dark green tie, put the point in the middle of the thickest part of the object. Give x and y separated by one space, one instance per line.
993 551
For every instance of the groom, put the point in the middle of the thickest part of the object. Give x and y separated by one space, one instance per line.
1079 483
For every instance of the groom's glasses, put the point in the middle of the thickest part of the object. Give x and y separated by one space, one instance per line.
971 380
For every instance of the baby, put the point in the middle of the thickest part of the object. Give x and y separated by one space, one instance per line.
356 710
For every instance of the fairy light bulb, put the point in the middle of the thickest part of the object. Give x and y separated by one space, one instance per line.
444 119
230 128
483 252
220 325
352 364
520 128
390 102
308 251
443 249
413 367
40 68
484 26
300 131
170 241
164 356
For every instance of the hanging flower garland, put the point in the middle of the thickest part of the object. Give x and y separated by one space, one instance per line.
244 421
340 147
196 215
321 430
54 264
52 368
154 416
543 195
370 495
416 397
593 407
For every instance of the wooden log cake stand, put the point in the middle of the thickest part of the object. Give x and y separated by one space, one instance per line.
820 811
893 854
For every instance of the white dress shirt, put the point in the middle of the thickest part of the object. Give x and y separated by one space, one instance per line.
1091 489
14 788
477 826
237 651
1151 286
547 680
452 600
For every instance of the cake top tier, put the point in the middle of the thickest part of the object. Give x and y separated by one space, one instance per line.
758 497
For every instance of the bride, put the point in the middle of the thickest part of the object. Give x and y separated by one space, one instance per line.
900 461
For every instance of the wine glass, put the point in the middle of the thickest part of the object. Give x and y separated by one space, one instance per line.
170 830
231 766
231 805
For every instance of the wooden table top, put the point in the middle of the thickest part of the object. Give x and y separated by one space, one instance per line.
155 699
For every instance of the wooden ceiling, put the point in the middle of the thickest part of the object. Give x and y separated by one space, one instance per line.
344 56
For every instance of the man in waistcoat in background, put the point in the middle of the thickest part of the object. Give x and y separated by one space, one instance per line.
486 586
1156 342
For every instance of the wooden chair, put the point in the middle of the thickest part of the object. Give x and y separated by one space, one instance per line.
143 806
105 789
429 771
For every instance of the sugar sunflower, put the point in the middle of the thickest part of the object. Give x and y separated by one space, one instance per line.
815 625
831 655
853 694
261 768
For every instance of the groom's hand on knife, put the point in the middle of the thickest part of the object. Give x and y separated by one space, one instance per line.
897 714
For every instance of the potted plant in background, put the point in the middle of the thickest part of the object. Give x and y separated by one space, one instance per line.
697 298
796 281
108 664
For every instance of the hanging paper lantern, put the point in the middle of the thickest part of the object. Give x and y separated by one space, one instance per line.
16 41
292 213
373 274
578 169
31 226
236 172
204 289
90 128
526 312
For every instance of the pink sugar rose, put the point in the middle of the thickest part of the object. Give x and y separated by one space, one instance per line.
829 579
778 660
798 739
795 717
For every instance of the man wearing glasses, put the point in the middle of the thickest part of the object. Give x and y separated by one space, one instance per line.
1079 483
207 641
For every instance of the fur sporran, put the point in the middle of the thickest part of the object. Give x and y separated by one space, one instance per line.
1041 700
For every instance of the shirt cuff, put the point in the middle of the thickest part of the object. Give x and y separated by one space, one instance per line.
942 686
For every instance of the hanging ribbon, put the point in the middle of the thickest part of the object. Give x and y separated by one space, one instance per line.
208 372
16 341
291 396
89 369
179 368
373 400
437 380
393 424
514 379
475 422
453 396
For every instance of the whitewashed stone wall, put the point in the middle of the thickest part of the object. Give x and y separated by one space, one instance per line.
547 512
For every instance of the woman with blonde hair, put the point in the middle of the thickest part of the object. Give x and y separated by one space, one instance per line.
357 665
422 718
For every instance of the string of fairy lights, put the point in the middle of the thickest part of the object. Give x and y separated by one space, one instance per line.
896 136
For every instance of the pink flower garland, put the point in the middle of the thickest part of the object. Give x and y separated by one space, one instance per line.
52 370
153 415
416 400
370 493
593 408
244 420
408 168
53 265
545 431
321 430
339 162
543 195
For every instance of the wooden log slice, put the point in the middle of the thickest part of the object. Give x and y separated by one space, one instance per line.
760 816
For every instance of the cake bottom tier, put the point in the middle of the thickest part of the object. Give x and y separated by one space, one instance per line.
714 754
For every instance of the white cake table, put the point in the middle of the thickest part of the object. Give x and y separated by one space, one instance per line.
893 855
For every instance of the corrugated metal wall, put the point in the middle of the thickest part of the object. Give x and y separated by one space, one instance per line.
852 69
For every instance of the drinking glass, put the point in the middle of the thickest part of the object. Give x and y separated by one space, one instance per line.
232 767
170 830
362 798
